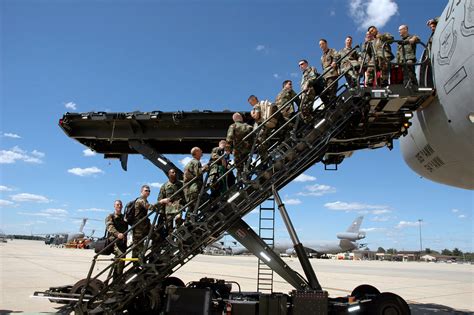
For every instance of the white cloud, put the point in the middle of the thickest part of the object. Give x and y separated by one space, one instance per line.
317 190
461 216
380 219
54 211
155 185
38 154
5 188
294 75
88 171
305 178
260 48
455 210
4 203
11 135
26 197
345 206
93 210
373 229
17 154
404 224
292 201
381 211
36 214
70 105
185 160
51 213
276 76
372 12
332 12
88 152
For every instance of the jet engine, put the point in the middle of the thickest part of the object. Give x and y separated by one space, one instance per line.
351 236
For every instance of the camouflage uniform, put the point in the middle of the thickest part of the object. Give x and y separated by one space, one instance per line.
350 64
383 55
410 57
308 80
241 149
328 57
115 224
265 131
142 229
284 97
216 171
192 170
367 61
172 210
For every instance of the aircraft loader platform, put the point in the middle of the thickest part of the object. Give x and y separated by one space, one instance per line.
357 118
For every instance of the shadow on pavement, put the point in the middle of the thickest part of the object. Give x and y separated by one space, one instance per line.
430 308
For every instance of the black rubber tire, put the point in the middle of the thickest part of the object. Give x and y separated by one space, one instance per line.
177 282
388 303
365 291
152 302
94 287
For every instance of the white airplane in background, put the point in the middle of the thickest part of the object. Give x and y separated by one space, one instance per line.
347 242
440 143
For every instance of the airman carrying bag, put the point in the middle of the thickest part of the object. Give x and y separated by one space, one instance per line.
102 243
269 109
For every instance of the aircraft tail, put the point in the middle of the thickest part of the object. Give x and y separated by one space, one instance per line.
81 228
355 226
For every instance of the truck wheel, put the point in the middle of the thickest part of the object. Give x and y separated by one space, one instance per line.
389 304
94 287
365 291
177 282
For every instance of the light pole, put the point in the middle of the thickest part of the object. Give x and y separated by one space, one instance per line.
421 244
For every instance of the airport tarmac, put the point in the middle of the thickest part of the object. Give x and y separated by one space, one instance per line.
429 288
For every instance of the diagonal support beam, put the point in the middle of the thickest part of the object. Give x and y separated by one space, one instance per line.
246 236
158 159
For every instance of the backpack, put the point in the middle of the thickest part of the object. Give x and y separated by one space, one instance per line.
318 84
267 109
129 213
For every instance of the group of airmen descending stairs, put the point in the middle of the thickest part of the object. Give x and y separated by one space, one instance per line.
306 141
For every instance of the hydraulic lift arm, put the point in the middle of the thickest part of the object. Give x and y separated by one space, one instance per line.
246 236
158 159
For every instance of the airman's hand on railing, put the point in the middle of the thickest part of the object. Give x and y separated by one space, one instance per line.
164 201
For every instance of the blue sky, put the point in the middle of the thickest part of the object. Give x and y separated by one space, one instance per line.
81 56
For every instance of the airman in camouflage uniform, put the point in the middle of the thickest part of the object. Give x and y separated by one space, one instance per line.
193 174
367 60
257 114
241 149
328 63
171 202
141 230
116 228
217 169
308 80
409 48
431 23
383 53
350 63
285 95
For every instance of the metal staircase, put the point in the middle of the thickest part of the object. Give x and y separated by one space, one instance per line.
345 123
266 231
